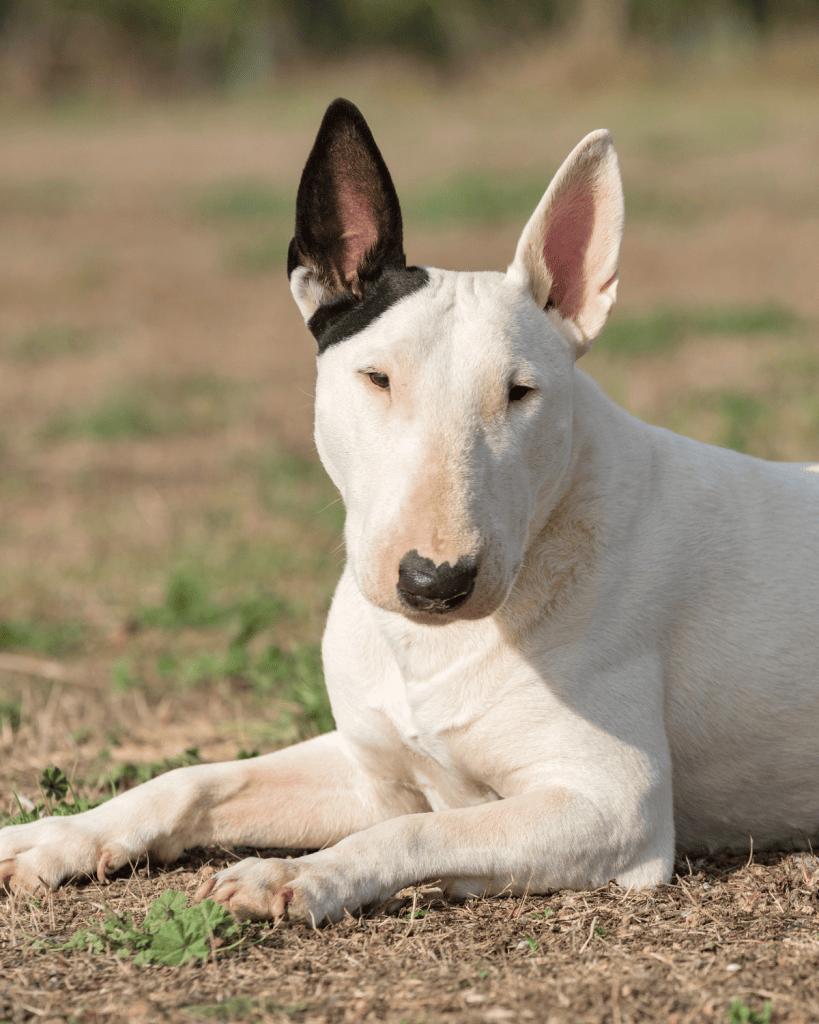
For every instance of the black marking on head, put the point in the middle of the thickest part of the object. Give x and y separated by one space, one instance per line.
346 315
293 258
348 218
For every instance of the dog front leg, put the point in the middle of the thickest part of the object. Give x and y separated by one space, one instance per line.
310 795
541 840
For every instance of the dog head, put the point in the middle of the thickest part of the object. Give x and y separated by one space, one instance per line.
444 400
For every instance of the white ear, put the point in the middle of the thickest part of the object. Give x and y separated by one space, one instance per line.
569 250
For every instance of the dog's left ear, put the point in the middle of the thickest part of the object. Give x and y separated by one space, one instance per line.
348 220
570 248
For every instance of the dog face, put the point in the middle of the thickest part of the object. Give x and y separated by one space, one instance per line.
444 400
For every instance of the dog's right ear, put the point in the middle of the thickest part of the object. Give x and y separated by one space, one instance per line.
348 220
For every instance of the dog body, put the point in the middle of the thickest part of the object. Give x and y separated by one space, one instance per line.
567 633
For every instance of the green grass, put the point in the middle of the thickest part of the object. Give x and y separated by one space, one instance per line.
150 408
50 197
293 674
126 774
741 1013
494 197
474 197
647 205
743 415
709 128
292 485
56 639
242 202
11 712
468 197
263 254
662 329
186 603
49 343
246 200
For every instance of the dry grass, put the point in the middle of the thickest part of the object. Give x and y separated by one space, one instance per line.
156 387
727 929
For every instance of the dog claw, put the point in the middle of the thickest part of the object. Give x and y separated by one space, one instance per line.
6 874
247 895
205 889
280 901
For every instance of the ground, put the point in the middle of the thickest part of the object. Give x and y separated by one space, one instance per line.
169 544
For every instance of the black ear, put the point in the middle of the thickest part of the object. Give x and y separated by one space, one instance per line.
348 220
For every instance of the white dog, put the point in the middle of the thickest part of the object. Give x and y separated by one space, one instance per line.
569 635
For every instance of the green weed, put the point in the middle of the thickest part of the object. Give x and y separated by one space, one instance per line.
415 915
531 941
171 932
662 329
56 639
739 1013
54 787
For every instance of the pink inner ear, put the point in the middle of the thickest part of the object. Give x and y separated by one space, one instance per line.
360 230
566 245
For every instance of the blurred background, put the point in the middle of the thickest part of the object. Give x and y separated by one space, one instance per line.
168 541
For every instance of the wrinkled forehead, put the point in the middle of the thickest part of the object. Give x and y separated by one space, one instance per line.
453 320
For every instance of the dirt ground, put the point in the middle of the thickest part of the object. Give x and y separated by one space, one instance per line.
156 394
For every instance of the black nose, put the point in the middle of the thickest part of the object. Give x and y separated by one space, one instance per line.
427 587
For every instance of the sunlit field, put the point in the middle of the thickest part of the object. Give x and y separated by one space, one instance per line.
169 542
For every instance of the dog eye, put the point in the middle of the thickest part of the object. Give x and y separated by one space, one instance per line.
381 380
518 391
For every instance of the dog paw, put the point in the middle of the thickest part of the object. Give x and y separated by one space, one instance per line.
44 853
50 851
261 890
